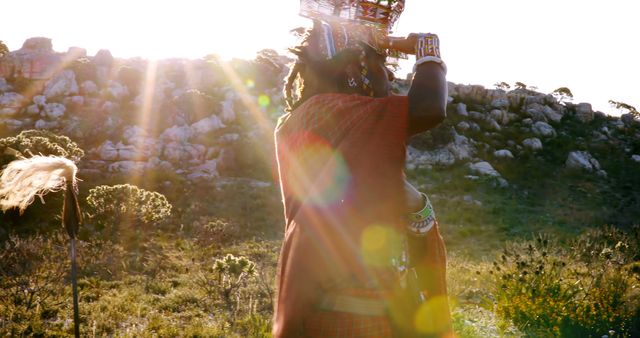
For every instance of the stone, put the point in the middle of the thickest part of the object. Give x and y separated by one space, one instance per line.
88 87
229 138
54 110
440 156
533 144
177 134
535 99
503 153
474 126
461 109
33 110
110 107
127 167
635 158
483 169
477 115
584 112
40 100
74 53
535 111
462 147
502 102
551 114
116 91
64 84
207 125
618 124
543 129
134 134
500 116
493 125
228 114
46 125
103 58
38 44
582 160
4 86
463 126
182 153
628 119
527 122
207 170
13 124
11 100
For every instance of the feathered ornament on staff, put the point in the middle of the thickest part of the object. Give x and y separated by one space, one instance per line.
24 179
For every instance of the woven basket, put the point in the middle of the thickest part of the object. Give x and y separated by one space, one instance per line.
381 13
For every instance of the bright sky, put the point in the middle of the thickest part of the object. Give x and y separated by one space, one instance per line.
589 46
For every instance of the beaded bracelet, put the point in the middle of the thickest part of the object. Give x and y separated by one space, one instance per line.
427 49
422 221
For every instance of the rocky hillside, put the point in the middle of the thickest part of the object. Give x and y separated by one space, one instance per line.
204 119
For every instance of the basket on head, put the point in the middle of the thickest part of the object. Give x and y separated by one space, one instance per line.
381 13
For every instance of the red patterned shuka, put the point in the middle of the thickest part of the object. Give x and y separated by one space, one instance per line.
340 163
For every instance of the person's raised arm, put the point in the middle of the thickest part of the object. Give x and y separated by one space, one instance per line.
428 92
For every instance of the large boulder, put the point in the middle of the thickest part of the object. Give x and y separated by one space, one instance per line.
54 110
483 169
543 129
533 144
10 104
64 84
4 86
503 153
461 109
177 134
34 61
582 160
207 125
551 114
584 112
38 44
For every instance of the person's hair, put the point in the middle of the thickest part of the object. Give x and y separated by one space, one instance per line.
308 77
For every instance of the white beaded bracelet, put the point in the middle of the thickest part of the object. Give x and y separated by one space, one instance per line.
430 58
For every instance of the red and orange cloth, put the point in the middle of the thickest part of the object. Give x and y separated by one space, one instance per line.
340 160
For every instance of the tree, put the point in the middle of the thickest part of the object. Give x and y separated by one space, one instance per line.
520 85
502 85
562 94
621 105
3 49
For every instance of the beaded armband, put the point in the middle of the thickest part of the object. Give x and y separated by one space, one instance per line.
428 50
422 221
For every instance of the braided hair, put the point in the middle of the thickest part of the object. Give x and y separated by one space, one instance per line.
345 73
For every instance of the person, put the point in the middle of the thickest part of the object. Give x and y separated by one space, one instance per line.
358 237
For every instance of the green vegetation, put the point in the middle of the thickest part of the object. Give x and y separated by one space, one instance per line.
39 142
3 49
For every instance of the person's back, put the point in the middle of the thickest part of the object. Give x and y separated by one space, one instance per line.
341 154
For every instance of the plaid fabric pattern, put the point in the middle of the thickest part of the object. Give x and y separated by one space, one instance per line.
326 324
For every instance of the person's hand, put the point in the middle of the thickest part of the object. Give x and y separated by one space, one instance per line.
419 44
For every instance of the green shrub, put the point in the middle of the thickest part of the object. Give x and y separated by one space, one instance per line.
225 281
112 205
32 284
40 142
584 290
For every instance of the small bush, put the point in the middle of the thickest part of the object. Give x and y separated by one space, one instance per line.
584 291
32 284
41 142
112 206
